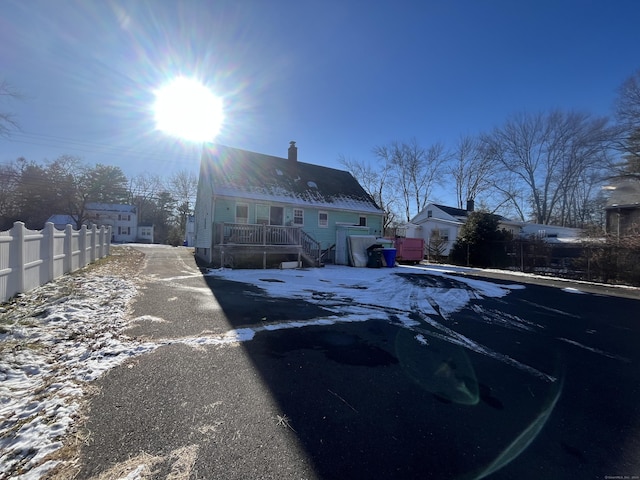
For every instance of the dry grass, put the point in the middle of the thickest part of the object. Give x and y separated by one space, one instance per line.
125 262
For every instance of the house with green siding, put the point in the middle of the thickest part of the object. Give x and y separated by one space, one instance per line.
259 211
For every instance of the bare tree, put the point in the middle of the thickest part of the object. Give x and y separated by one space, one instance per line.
143 190
376 181
628 117
183 186
7 120
415 171
471 168
544 156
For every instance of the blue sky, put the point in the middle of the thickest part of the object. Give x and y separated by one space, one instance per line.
338 77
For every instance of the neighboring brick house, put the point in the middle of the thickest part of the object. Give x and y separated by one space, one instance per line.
251 204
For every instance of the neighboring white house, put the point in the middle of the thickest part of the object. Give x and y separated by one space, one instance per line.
441 220
123 220
447 222
145 233
190 231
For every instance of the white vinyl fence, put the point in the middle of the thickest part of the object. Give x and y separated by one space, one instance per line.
30 258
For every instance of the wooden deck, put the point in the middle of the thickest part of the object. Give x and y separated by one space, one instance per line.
257 244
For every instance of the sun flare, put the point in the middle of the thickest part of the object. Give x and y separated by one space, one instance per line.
187 109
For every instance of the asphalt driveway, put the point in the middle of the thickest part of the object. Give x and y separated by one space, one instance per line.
540 383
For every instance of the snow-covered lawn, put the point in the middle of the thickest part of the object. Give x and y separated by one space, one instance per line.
53 340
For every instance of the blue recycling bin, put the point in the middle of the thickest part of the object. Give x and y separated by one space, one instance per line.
389 255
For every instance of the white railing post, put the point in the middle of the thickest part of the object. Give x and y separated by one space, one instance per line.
48 235
94 238
18 233
82 244
68 248
21 244
103 242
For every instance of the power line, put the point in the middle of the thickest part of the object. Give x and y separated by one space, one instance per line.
28 138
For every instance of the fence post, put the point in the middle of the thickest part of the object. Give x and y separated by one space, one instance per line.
68 248
108 240
48 234
94 236
103 243
82 243
17 233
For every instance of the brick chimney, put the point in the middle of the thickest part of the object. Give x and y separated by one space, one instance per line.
293 152
470 205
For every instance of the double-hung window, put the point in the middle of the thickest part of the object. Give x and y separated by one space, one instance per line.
323 219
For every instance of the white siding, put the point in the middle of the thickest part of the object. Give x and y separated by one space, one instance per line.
203 240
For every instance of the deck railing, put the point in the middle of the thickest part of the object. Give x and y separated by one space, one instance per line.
242 234
255 234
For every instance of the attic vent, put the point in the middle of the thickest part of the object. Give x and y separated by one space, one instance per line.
279 172
312 184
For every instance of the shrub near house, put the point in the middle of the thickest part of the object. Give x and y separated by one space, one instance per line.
481 243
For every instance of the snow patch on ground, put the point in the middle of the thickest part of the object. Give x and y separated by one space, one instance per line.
54 340
361 294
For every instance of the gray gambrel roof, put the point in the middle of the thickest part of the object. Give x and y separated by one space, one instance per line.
255 176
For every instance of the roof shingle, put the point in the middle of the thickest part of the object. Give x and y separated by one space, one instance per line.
240 173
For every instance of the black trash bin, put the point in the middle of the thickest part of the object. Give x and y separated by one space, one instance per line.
374 256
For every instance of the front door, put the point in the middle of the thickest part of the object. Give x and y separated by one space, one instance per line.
276 216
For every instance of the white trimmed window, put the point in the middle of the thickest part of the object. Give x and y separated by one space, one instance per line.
298 216
323 219
242 213
363 221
